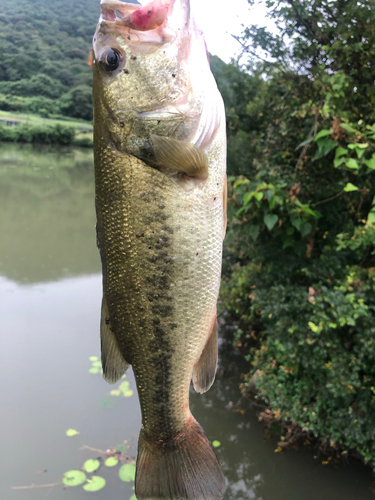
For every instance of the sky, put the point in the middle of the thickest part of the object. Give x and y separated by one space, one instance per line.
226 20
218 19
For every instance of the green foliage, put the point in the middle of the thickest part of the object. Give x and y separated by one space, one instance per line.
46 134
44 51
300 247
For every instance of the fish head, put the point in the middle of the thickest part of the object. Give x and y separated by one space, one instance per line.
151 70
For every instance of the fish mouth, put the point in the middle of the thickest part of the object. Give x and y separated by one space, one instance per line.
154 15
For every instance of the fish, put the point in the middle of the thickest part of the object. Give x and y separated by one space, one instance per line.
160 196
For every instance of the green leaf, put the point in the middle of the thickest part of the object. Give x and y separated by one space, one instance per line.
349 129
127 472
350 187
97 364
94 370
360 153
324 147
115 392
303 143
305 229
111 462
313 327
96 483
352 163
295 220
247 197
253 231
371 163
133 497
339 161
128 393
371 216
323 133
71 432
340 152
91 465
259 196
93 358
216 444
270 220
74 478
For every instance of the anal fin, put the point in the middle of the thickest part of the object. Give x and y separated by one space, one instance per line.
180 156
205 370
113 362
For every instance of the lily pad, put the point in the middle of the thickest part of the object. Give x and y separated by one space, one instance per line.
74 478
71 432
216 444
96 483
127 472
124 386
111 462
91 465
115 392
93 358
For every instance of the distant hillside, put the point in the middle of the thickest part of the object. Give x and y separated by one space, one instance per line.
44 47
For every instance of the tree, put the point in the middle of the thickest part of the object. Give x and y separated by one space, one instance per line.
78 102
302 236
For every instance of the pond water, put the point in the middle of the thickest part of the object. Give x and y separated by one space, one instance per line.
50 295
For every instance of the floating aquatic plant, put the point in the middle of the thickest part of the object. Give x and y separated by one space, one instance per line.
91 465
71 432
216 443
96 365
111 462
96 483
127 473
74 478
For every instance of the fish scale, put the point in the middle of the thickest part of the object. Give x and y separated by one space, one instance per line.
160 233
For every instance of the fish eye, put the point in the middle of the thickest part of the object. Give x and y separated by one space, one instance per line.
111 59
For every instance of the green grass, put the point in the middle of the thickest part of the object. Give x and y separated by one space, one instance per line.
36 119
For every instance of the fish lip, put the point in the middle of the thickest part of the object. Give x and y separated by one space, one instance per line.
118 13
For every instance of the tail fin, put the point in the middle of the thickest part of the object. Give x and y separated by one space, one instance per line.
182 468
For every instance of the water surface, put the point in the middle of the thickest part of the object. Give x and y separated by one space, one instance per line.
50 295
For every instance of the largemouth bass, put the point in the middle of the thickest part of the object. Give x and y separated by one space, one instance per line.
160 156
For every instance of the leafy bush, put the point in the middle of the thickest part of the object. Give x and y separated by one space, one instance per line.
47 134
300 249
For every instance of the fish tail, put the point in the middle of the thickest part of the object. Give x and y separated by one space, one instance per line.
182 467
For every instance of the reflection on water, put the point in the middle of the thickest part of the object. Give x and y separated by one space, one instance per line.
50 289
46 213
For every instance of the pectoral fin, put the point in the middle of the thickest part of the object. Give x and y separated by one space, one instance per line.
113 362
180 156
205 370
